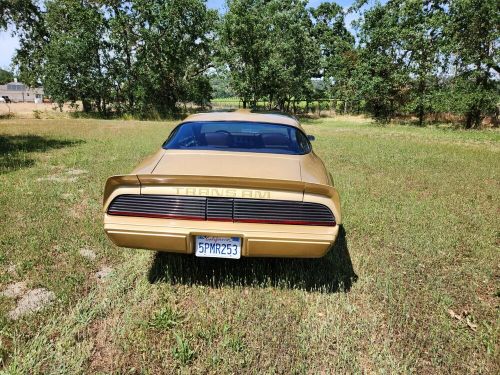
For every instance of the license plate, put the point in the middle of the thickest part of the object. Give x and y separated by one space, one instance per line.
218 247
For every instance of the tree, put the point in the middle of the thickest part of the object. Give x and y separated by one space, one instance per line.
22 13
294 57
139 56
244 46
173 52
5 77
472 34
382 74
123 40
433 55
338 54
420 29
27 19
199 91
269 49
75 53
219 82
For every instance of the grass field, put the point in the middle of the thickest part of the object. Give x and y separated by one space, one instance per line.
414 285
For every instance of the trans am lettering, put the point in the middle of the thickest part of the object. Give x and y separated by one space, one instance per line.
222 192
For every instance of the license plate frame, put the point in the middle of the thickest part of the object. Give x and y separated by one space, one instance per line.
218 247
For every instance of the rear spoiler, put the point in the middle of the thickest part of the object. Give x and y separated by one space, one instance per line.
138 181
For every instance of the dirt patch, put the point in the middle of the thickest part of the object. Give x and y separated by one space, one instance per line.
69 175
105 354
57 179
78 210
87 253
12 269
33 300
76 172
15 290
104 273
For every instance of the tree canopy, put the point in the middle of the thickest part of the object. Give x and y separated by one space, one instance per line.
418 58
140 56
269 49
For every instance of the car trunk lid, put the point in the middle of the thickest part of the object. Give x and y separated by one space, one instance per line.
229 164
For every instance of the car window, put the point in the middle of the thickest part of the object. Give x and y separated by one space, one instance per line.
239 136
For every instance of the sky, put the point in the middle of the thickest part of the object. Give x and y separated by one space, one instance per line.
9 43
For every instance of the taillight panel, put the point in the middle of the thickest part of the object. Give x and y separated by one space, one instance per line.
222 209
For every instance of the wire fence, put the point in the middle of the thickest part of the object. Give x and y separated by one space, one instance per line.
317 107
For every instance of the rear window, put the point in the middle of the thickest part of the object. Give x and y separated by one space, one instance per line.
238 136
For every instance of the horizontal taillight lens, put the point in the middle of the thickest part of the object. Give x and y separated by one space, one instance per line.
282 212
289 222
158 216
222 209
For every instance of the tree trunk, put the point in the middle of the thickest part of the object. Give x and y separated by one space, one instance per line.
87 107
98 105
421 114
473 118
473 115
421 91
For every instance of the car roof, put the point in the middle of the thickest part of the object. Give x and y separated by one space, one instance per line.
245 115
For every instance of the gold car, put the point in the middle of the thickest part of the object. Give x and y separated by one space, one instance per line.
227 185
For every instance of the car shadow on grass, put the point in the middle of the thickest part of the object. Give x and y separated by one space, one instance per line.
15 149
330 274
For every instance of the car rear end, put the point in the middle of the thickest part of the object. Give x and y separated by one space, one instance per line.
217 216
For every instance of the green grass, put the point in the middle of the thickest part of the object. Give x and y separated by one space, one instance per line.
421 218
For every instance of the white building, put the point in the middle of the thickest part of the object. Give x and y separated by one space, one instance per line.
19 92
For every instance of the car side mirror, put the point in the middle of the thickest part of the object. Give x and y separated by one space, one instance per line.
311 137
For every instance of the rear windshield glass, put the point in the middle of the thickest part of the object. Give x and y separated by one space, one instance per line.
239 136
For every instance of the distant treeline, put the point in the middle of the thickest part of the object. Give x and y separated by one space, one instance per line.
404 58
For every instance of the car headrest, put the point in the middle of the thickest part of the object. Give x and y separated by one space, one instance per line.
275 139
218 139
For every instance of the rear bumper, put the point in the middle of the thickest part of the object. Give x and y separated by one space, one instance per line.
258 240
